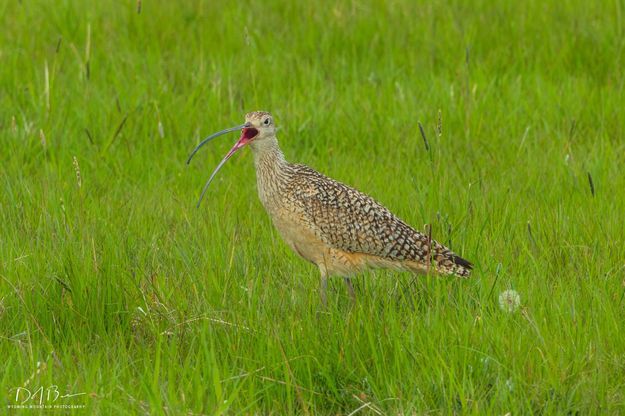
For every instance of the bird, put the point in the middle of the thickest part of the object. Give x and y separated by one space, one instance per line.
332 225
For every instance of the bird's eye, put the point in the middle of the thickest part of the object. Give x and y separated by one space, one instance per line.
267 121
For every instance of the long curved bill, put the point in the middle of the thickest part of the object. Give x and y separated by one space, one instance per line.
211 137
247 134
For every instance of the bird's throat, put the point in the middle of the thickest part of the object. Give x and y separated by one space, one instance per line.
271 170
267 153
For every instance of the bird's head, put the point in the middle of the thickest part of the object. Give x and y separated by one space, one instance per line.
258 127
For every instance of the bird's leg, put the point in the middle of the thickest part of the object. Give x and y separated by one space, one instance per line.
350 289
323 288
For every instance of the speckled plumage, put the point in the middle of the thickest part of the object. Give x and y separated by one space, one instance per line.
336 227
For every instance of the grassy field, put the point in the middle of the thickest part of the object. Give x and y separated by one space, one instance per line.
114 285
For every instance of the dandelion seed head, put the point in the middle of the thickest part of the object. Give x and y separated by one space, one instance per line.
510 384
509 300
486 362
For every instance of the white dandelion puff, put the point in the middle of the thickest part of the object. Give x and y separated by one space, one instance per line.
509 300
510 384
486 362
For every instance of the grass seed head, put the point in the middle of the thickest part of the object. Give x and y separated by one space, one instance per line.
77 170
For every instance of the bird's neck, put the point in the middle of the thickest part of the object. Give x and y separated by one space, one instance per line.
271 170
267 154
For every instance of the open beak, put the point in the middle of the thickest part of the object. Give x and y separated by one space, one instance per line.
248 133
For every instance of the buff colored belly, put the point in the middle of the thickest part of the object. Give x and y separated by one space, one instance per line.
304 242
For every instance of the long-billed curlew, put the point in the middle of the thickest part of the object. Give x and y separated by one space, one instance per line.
332 225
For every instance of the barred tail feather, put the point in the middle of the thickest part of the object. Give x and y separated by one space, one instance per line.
461 267
448 262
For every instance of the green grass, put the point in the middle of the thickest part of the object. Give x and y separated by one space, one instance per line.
121 289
